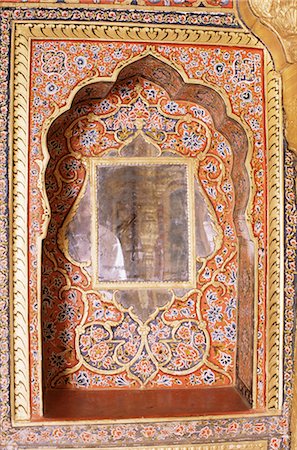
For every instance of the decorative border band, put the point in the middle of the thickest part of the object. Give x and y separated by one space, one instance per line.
275 306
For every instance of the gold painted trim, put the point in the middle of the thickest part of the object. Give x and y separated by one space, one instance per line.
275 298
145 161
140 32
24 32
20 387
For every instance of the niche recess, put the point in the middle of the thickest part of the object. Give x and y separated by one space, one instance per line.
148 266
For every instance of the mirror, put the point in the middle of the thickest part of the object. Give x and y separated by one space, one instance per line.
142 222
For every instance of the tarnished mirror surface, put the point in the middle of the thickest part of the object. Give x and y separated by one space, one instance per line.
142 223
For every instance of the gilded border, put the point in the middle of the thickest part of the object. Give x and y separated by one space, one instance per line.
140 32
275 297
24 32
20 388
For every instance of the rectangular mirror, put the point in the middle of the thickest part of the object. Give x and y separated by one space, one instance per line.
143 222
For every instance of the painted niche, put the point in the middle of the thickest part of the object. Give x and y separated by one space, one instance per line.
147 241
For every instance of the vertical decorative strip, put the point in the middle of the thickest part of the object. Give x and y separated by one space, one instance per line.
19 109
276 241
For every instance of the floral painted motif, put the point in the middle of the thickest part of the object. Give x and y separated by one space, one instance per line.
161 122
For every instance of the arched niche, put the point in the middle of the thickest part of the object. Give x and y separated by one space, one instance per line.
83 320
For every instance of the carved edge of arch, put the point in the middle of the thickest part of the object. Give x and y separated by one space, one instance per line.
138 32
275 300
20 387
255 445
23 32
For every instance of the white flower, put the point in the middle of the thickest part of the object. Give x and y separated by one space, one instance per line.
51 88
218 335
81 62
208 376
225 359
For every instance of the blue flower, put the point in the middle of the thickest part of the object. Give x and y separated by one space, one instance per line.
214 313
210 167
227 187
219 68
198 112
105 105
228 231
171 107
233 277
121 381
194 380
185 312
88 138
211 296
192 141
125 92
151 93
99 314
230 332
225 359
164 380
118 53
218 335
51 88
219 260
231 307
